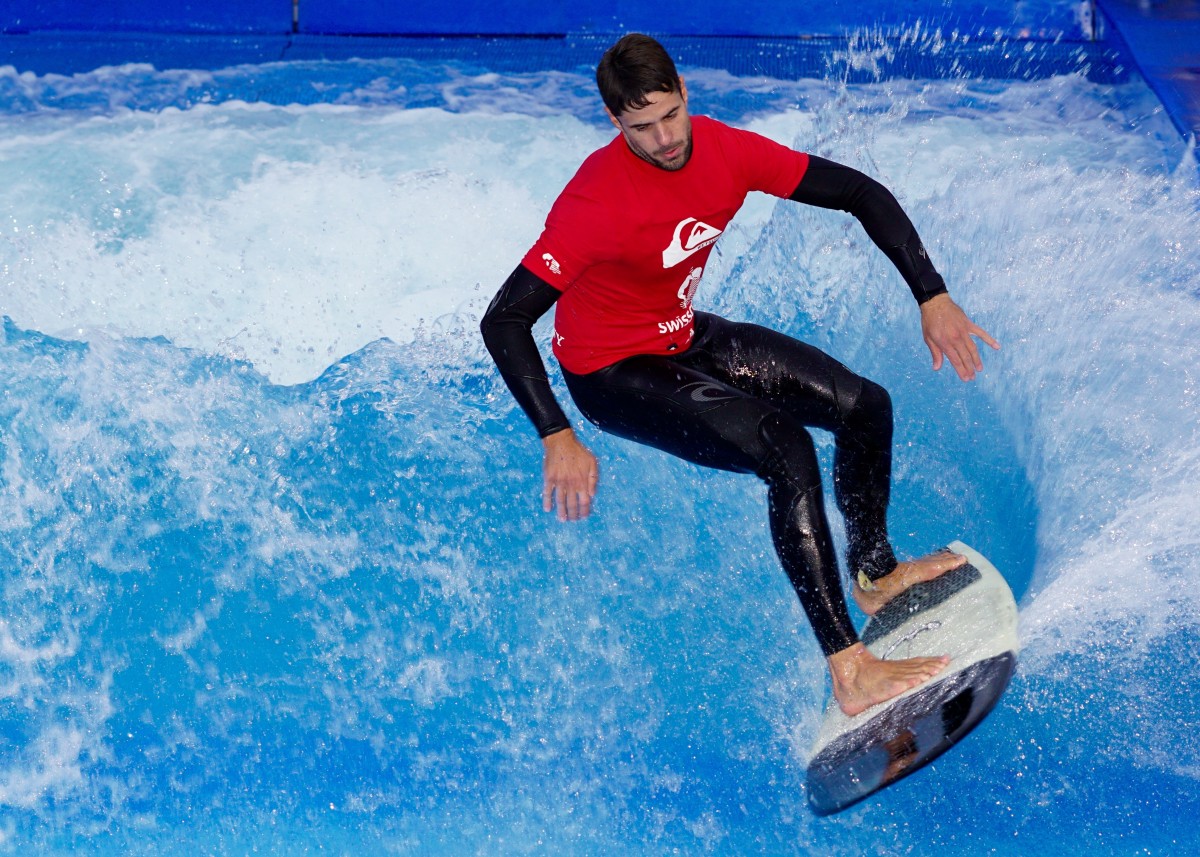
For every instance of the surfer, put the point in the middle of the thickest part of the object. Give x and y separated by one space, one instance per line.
621 255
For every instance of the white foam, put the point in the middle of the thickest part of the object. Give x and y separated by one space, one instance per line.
292 236
287 236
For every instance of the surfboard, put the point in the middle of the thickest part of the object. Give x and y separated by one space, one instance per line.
967 613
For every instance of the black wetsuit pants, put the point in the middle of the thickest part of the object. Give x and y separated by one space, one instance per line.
740 399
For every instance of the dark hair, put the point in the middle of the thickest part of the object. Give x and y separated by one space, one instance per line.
632 68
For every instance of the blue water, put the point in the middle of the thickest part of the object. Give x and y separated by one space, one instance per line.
275 576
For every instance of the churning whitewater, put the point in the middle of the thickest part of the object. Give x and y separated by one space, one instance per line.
275 573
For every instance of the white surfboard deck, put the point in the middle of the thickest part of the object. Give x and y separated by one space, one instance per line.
969 614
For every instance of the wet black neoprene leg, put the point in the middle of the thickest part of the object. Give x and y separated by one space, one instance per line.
816 390
675 408
862 478
796 507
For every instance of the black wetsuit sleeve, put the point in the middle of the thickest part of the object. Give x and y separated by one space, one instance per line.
831 185
507 329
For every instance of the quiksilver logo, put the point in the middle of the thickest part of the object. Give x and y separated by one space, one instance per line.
690 235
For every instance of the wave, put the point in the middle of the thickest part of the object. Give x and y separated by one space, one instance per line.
275 569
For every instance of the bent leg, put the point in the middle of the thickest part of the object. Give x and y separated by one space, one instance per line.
816 391
796 507
862 473
657 402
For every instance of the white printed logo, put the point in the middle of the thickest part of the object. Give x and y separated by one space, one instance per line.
698 236
551 263
688 290
678 323
706 391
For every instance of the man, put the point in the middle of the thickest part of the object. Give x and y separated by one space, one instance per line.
623 250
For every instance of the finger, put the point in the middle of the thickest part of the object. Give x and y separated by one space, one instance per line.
960 350
972 352
961 365
985 336
968 367
552 498
936 353
573 505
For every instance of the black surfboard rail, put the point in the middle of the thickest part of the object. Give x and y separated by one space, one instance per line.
907 736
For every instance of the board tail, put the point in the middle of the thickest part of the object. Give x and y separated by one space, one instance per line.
907 736
968 614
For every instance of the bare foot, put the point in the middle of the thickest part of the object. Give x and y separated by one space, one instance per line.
861 680
906 574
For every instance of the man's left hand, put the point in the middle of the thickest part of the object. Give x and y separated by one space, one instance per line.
948 332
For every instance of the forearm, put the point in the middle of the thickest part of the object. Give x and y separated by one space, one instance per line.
507 329
830 185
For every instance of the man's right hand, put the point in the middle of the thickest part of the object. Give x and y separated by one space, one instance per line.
571 473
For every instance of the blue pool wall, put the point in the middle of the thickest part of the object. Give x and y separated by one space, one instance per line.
1029 39
1101 38
1036 18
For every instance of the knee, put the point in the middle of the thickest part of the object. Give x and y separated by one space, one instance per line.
790 452
875 400
865 406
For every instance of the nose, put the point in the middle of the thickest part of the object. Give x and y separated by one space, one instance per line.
662 136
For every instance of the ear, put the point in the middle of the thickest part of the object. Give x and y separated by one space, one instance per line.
613 119
683 90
